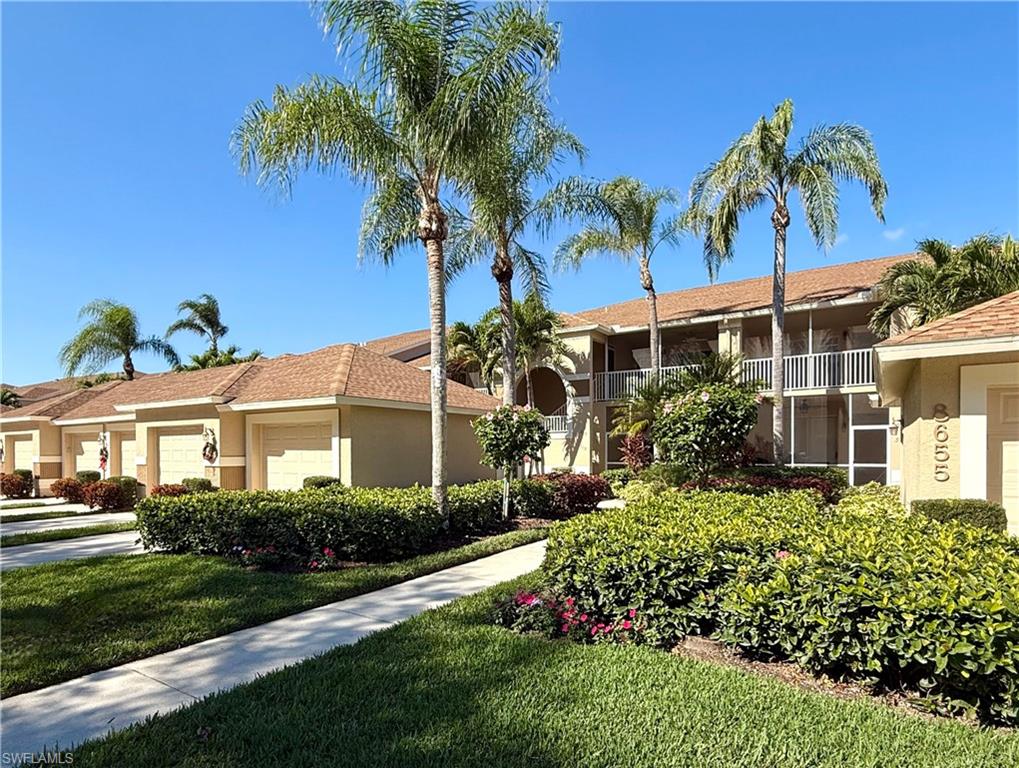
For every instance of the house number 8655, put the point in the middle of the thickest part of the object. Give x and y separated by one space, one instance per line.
941 454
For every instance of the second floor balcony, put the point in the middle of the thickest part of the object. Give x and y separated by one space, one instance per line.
824 370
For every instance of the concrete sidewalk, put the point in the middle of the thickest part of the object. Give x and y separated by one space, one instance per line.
124 543
56 506
9 528
66 714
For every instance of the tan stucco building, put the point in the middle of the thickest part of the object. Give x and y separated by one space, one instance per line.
957 383
343 411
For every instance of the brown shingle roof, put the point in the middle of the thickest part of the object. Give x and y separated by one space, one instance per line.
806 286
390 345
57 405
343 370
997 318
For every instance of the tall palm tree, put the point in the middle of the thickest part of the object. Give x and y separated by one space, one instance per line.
432 78
203 318
503 207
630 222
537 338
111 333
759 167
476 347
944 280
218 358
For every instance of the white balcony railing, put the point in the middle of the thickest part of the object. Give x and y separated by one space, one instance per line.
824 370
558 422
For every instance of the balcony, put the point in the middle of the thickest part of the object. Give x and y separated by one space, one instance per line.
825 370
558 422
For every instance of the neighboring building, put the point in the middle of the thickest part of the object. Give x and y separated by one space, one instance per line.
957 382
831 412
343 411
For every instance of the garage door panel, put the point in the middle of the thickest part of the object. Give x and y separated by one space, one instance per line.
84 453
180 455
294 452
23 453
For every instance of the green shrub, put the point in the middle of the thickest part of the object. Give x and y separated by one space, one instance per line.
27 475
197 484
321 481
104 495
981 512
665 474
618 478
837 477
640 491
128 488
864 590
532 498
705 429
87 476
474 507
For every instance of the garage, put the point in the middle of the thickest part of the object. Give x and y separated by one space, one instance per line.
127 453
296 451
23 452
84 451
180 454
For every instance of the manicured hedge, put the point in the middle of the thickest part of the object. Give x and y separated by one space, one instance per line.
864 590
86 476
169 489
69 489
321 481
128 488
105 495
575 494
13 486
198 484
980 512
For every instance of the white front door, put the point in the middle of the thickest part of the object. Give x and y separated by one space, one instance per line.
294 452
180 454
1003 452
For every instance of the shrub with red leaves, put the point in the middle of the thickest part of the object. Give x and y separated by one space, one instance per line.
14 486
169 489
575 494
104 495
637 452
69 489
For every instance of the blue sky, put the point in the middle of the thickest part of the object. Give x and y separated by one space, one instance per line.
117 180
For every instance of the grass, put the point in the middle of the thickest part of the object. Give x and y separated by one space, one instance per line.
62 620
447 688
37 537
46 515
23 505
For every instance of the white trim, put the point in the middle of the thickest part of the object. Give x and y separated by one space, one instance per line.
263 405
96 420
231 461
20 419
577 376
956 347
141 461
47 459
131 407
974 381
335 400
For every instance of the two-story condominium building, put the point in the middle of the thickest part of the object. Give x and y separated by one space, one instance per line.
832 416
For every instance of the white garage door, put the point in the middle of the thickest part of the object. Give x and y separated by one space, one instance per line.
23 453
84 453
127 455
296 451
180 454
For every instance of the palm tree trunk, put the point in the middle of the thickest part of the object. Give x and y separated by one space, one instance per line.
128 367
652 307
502 271
432 232
780 221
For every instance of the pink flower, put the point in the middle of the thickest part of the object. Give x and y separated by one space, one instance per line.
627 624
633 613
570 601
705 396
667 408
594 631
583 617
314 563
328 552
782 554
758 398
565 628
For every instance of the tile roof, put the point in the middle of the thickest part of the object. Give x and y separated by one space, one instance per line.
342 370
993 319
806 286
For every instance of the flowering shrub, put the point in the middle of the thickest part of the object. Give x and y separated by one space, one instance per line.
547 615
509 434
169 489
705 429
14 486
103 495
69 489
263 557
863 590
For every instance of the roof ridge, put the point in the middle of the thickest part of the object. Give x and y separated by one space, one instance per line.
962 314
232 378
343 366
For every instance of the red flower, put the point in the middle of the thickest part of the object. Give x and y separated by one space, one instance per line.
633 613
627 624
583 617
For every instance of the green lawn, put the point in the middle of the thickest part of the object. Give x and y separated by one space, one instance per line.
37 537
23 505
448 689
62 620
5 518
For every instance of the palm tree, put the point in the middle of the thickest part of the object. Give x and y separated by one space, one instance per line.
537 338
476 347
202 318
630 223
759 167
433 76
9 398
112 333
944 280
216 358
503 207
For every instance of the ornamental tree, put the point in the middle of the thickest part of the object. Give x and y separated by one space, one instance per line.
507 436
705 429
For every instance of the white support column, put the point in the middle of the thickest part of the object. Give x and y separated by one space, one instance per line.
810 348
792 431
852 441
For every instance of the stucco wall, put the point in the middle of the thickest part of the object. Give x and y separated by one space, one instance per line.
392 447
932 456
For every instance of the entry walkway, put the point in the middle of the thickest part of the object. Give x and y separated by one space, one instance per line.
124 543
66 714
9 528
